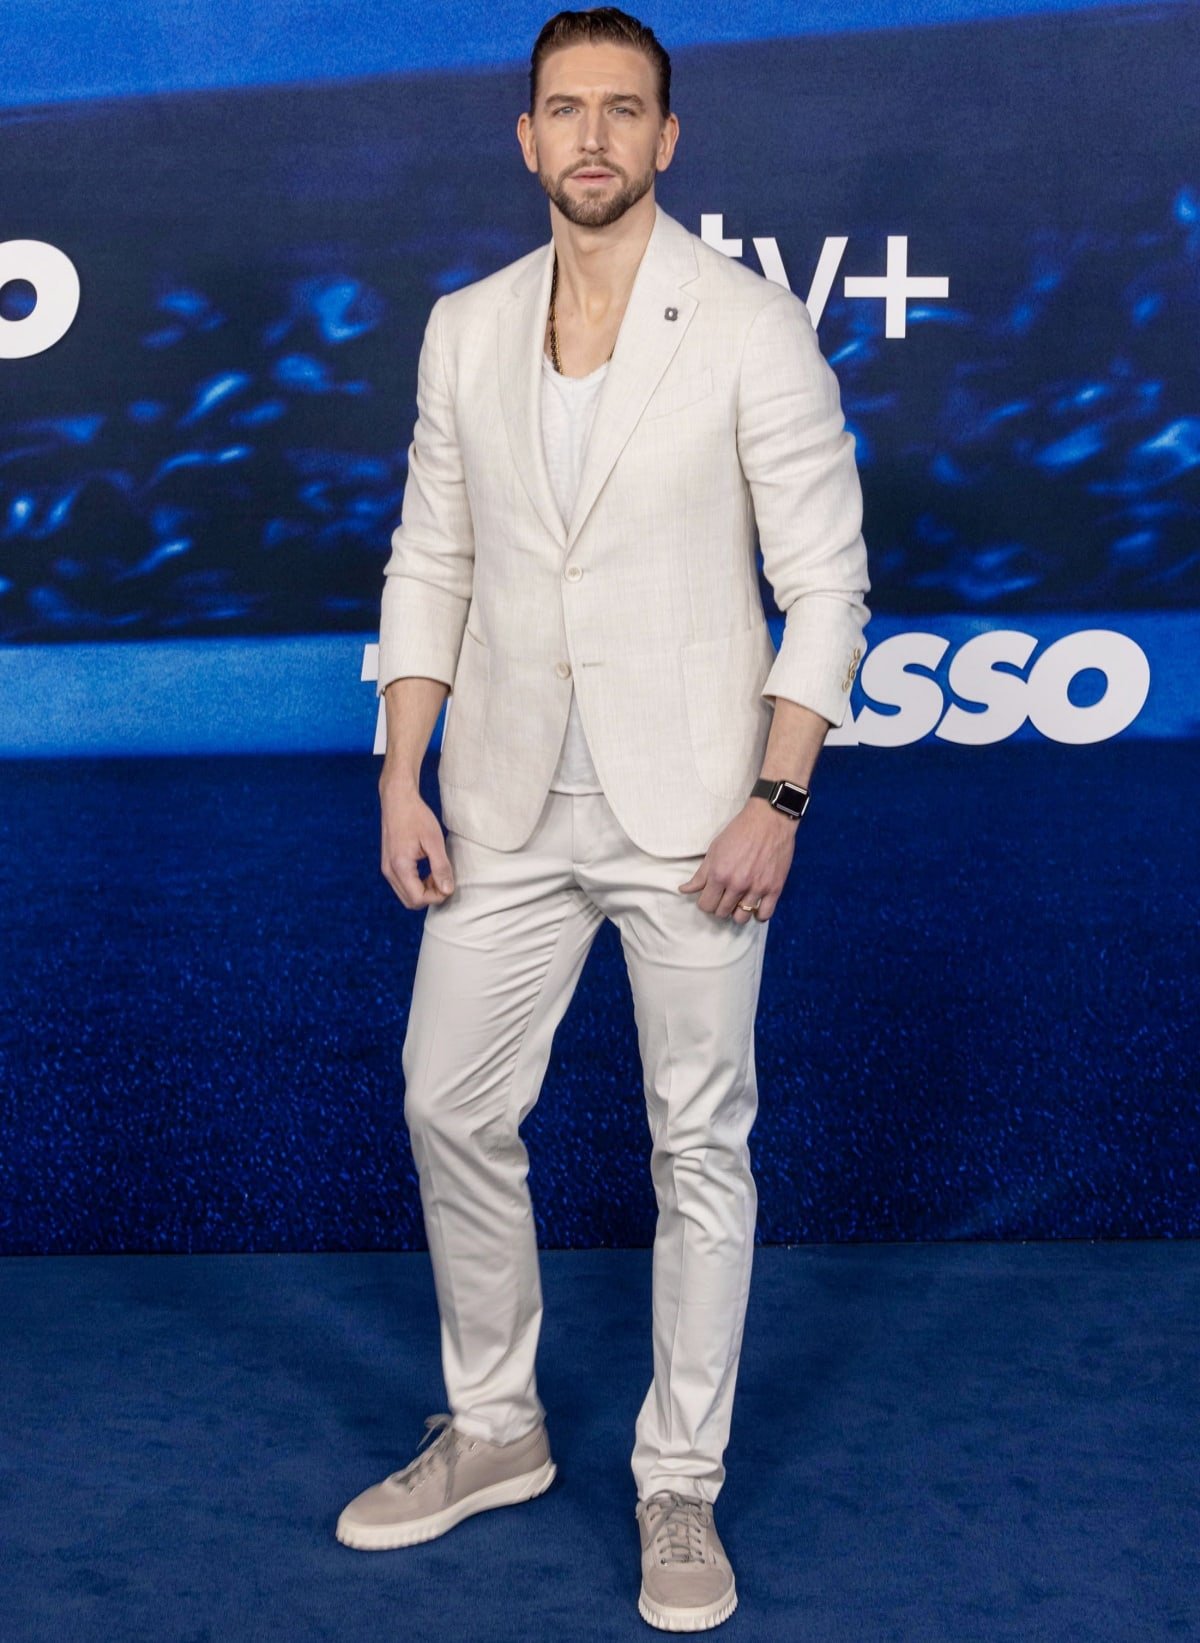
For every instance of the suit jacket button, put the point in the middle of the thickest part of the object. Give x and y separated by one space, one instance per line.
574 572
563 669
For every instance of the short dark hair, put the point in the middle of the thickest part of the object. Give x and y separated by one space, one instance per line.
568 28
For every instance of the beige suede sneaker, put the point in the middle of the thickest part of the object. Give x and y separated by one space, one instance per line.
687 1581
456 1476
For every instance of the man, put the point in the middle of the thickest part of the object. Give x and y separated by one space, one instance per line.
601 425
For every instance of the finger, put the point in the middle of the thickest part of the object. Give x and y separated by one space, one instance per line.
728 904
739 912
407 882
715 893
697 880
431 896
431 843
440 871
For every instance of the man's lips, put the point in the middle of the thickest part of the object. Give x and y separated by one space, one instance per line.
593 176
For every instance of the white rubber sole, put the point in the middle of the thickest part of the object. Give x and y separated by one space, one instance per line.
385 1537
687 1620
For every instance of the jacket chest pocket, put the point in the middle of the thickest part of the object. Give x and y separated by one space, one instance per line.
675 394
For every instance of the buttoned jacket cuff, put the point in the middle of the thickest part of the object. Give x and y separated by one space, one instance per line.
819 655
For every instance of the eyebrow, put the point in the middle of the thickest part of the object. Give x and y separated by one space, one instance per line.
613 97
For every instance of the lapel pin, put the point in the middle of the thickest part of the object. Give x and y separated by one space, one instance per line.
670 313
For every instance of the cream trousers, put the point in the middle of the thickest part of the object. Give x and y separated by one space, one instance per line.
498 964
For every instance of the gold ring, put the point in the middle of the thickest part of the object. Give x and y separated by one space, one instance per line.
749 908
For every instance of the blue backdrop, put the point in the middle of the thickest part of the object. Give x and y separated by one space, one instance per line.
219 240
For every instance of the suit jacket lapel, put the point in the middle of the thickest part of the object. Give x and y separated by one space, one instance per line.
646 344
521 339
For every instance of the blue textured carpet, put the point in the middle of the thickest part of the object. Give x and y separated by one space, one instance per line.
961 1443
976 1017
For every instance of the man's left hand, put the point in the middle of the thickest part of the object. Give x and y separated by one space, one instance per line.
747 861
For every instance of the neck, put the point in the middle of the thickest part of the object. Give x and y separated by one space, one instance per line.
596 266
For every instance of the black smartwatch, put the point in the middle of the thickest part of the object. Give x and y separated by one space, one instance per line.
789 797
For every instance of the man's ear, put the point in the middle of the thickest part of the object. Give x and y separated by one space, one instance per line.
524 132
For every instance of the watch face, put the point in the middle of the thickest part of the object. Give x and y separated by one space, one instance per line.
792 800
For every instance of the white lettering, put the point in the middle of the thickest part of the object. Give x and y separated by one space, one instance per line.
916 697
1127 675
52 274
712 232
370 675
1006 699
822 284
973 677
897 287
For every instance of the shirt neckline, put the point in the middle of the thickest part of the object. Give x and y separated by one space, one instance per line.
548 365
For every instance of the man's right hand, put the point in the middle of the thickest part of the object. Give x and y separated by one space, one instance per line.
412 832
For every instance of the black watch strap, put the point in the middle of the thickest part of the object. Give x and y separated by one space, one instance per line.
789 797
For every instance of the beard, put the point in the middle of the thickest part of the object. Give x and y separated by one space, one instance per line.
596 210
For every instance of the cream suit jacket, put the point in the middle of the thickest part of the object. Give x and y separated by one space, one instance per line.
717 414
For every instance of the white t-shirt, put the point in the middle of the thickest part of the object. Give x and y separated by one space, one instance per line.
568 407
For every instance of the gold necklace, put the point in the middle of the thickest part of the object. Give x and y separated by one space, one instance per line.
557 363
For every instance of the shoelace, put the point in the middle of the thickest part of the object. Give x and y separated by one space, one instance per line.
677 1527
443 1447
